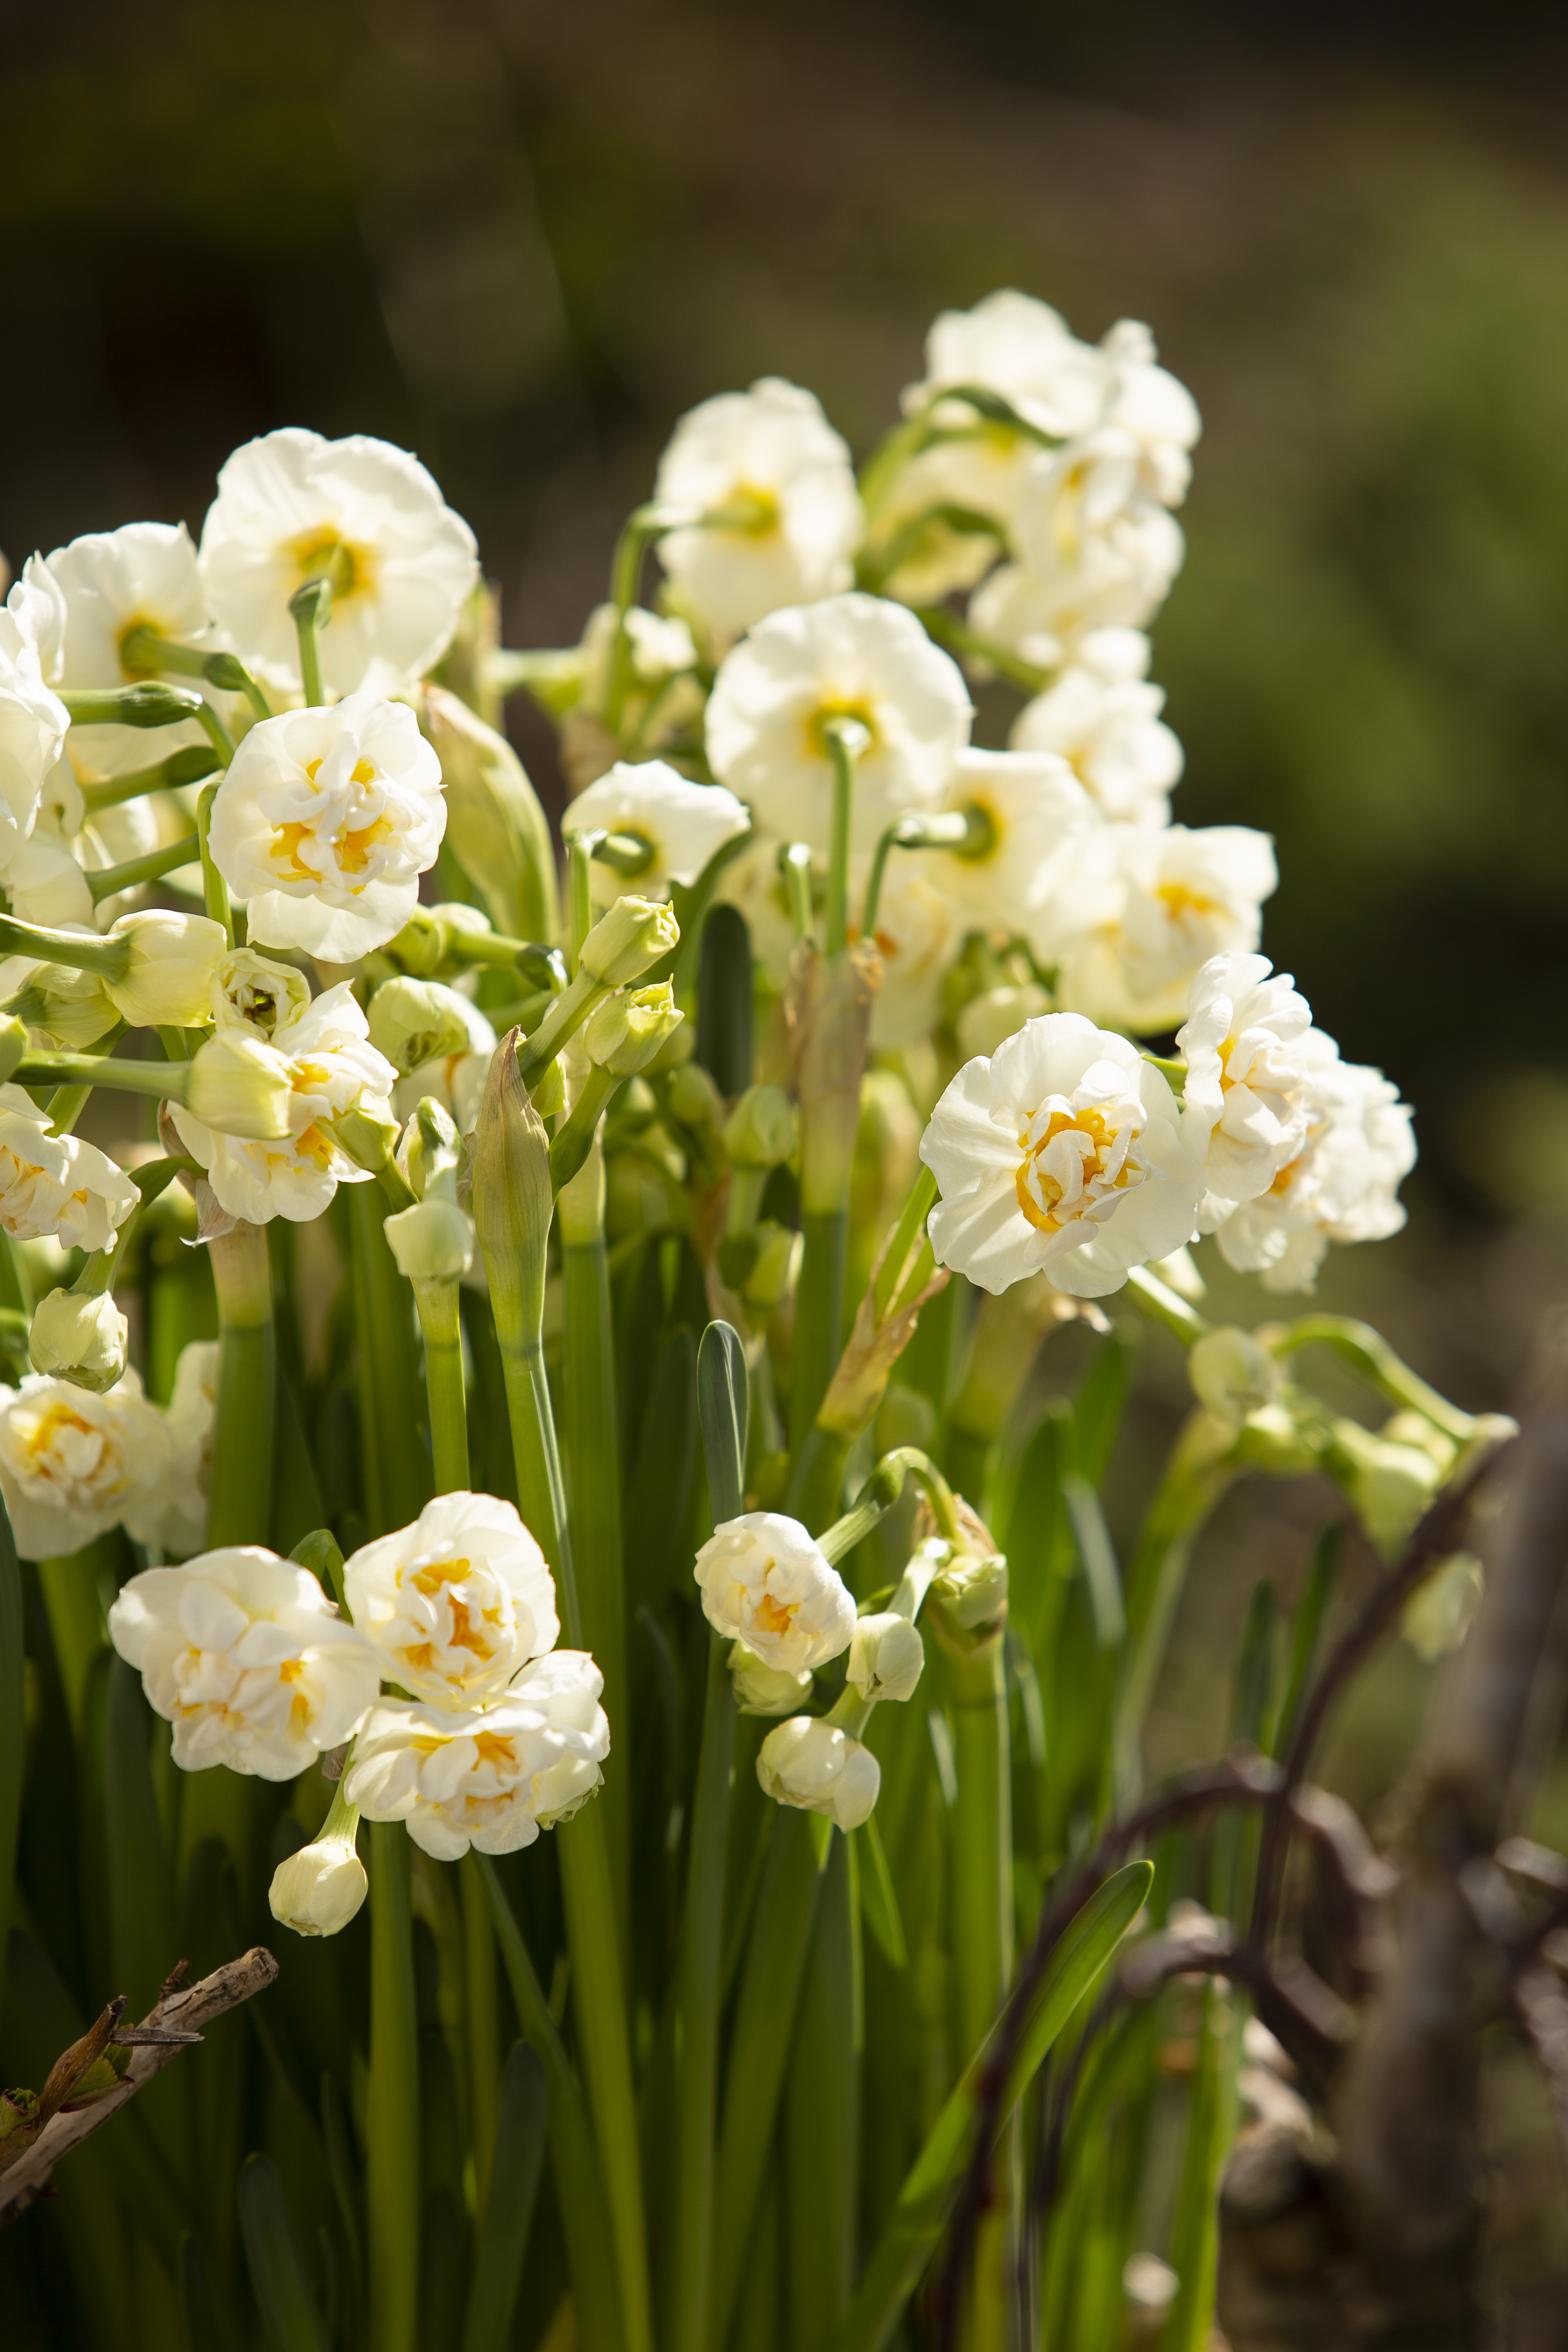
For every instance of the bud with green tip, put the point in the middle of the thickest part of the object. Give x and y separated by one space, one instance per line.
886 1656
319 1890
509 1195
80 1339
430 1151
762 1689
623 943
238 1085
762 1130
628 1032
412 1022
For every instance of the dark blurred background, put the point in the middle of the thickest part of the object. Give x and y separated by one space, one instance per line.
520 238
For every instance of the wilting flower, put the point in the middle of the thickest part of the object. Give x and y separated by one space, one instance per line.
256 992
246 1656
115 582
73 1464
680 825
330 1067
765 1582
1156 906
1062 1153
775 487
1341 1186
1245 1106
78 1338
324 823
56 1186
458 1602
1102 717
493 1778
887 1655
851 657
812 1764
291 508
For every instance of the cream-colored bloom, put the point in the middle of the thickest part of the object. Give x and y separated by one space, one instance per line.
1013 344
324 823
238 1086
82 1339
776 485
174 958
851 657
1092 565
1062 1153
765 1581
1245 1106
1155 411
42 882
1155 908
113 582
56 1187
458 1602
490 1778
920 931
810 1763
257 993
73 1464
433 1241
762 1689
330 1067
680 824
291 508
33 722
1031 808
317 1890
192 1410
1101 715
246 1656
1341 1186
886 1656
33 622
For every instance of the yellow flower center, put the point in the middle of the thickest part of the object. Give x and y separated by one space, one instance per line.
773 1616
1179 901
1045 1175
323 554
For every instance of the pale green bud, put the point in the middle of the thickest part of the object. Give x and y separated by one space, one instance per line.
693 1098
171 961
319 1889
80 1340
412 1022
635 933
762 1689
429 1148
1390 1485
1232 1374
511 1198
776 1267
987 1021
368 1133
627 1032
761 1131
886 1656
974 1589
1440 1613
254 992
432 1242
237 1085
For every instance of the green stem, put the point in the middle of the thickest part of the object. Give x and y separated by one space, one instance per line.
885 1289
819 1314
579 896
949 631
396 1488
436 1303
481 2024
77 950
822 2112
214 889
699 2009
1372 1356
844 738
161 1080
1159 1300
181 768
240 1492
795 866
146 648
951 829
133 870
312 607
980 1844
392 2109
1192 1486
641 528
570 1149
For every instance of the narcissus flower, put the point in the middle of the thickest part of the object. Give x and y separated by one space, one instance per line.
458 1602
33 720
192 1408
324 823
1341 1186
291 508
765 1582
257 993
886 1656
1102 717
775 487
490 1778
1013 344
246 1656
171 963
73 1464
1245 1104
810 1763
680 825
1156 906
920 932
1061 1152
851 657
1029 806
115 582
56 1186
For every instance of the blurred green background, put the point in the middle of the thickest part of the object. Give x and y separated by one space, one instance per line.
522 239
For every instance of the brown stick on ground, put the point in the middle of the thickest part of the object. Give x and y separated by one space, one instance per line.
178 2009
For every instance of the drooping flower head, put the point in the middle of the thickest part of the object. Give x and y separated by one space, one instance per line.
765 1582
74 1464
490 1778
292 507
246 1656
1062 1153
680 824
810 1763
458 1602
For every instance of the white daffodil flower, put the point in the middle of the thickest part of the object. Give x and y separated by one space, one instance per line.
1154 906
680 824
256 992
1031 808
33 720
332 1068
1102 717
291 508
490 1778
775 487
1156 411
82 1339
1013 344
56 1187
324 823
41 882
886 1656
810 1763
765 1582
1244 1102
1061 1153
1341 1186
73 1464
34 618
1088 571
192 1410
849 657
113 582
246 1656
458 1602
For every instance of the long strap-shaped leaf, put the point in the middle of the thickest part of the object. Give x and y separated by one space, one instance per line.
932 2181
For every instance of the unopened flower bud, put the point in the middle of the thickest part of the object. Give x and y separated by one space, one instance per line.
763 1689
988 1019
412 1022
319 1890
886 1656
694 1099
623 943
429 1148
511 1199
1439 1613
419 946
973 1589
171 960
369 1133
810 1763
432 1242
761 1131
627 1032
776 1267
1389 1484
237 1085
12 1044
1232 1374
80 1340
